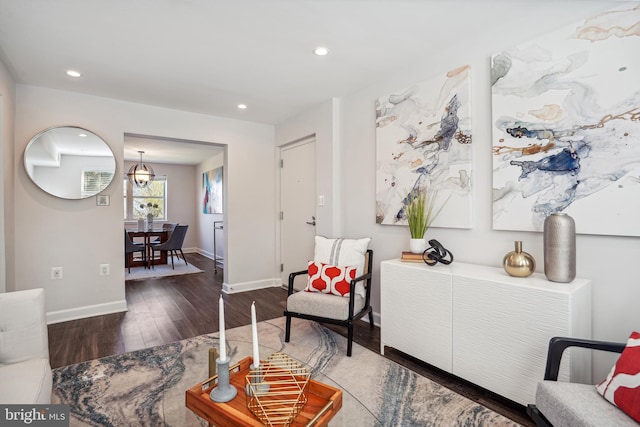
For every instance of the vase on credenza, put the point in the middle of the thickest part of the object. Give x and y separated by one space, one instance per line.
518 263
417 246
560 248
140 224
149 221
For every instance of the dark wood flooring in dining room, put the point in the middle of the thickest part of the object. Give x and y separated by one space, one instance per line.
163 310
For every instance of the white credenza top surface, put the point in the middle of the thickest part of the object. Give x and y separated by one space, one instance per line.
495 274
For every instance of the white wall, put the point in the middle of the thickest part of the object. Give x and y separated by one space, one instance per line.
79 236
609 261
7 117
205 221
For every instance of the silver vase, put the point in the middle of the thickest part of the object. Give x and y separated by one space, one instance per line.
560 248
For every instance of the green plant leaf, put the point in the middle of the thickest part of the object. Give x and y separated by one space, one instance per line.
421 211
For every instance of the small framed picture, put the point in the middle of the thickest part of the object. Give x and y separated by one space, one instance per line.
102 200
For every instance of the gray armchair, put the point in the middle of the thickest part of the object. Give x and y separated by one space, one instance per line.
329 308
572 404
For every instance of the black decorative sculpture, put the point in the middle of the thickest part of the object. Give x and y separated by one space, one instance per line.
436 253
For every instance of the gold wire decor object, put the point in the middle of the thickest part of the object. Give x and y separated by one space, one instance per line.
286 392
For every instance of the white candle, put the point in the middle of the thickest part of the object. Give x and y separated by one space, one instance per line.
223 343
254 336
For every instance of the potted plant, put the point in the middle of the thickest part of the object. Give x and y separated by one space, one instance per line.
419 209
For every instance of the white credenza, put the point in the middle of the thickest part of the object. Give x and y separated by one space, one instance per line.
483 325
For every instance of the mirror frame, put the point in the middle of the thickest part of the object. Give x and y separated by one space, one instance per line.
55 157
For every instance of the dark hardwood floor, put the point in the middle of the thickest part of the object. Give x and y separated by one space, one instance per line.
168 309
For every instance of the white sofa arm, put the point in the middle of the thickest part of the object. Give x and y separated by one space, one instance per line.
23 326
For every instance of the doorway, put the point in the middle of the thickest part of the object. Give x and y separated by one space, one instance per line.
297 207
181 163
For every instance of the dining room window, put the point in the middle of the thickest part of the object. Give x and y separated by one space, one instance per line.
138 202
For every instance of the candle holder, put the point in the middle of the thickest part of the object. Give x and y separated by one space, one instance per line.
256 385
224 391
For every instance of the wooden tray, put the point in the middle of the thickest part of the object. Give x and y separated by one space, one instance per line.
323 402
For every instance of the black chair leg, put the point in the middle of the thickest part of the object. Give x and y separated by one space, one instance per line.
349 339
287 329
170 253
185 260
371 319
537 416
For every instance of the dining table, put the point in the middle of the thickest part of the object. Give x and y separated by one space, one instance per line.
147 235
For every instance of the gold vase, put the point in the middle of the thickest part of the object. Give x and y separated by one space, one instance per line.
518 263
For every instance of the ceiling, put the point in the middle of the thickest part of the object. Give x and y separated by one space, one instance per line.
168 151
208 56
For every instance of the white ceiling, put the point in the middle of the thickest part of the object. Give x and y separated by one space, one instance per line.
207 56
168 151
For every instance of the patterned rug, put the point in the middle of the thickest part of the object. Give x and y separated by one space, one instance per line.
147 387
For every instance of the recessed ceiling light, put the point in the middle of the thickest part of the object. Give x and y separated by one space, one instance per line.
82 135
242 106
73 73
321 51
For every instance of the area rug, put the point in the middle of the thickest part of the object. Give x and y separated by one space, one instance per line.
147 387
160 270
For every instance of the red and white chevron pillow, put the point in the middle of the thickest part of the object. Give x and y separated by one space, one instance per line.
329 279
622 385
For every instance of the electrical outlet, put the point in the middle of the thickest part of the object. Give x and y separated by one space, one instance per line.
56 273
104 269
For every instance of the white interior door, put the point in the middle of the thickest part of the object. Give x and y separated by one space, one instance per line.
297 204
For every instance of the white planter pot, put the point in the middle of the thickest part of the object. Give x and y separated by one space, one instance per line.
417 246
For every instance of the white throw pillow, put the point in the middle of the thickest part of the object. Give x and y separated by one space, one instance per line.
343 253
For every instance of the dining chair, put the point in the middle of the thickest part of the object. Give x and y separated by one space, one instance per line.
172 245
130 247
168 227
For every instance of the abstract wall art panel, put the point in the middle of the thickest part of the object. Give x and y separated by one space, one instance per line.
566 127
423 140
212 191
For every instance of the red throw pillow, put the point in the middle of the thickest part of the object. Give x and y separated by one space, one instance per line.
622 386
329 279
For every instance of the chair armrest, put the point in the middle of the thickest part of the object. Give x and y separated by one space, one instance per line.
352 292
557 346
353 282
292 277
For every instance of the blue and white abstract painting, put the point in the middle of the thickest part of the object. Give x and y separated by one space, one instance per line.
566 127
423 141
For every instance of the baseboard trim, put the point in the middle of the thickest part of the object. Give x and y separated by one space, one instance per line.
250 286
86 311
204 253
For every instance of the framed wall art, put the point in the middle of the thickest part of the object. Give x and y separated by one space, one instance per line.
212 191
566 127
423 140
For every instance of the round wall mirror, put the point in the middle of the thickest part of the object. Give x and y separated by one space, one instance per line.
69 162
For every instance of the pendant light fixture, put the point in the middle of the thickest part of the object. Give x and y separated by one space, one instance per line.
140 174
